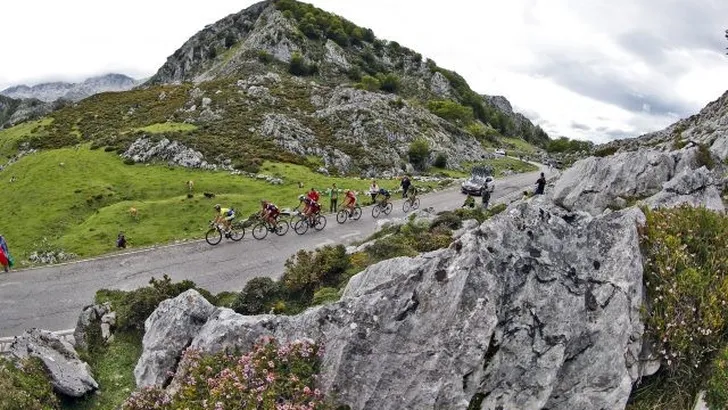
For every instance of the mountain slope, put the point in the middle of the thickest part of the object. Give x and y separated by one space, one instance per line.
340 51
286 82
49 92
709 128
14 111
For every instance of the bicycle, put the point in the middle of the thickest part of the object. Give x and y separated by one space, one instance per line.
215 233
260 231
344 214
382 207
317 221
412 202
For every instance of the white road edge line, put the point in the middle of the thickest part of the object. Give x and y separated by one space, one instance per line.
350 235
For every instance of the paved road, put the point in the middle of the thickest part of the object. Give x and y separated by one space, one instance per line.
52 297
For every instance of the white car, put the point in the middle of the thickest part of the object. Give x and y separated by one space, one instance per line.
476 184
500 152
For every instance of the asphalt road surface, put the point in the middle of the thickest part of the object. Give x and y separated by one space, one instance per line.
52 297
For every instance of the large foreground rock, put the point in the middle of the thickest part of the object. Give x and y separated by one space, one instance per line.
536 308
168 331
68 374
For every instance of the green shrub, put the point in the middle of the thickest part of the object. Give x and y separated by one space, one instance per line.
134 307
678 143
299 67
325 295
717 392
606 151
258 297
369 83
25 386
447 219
419 153
451 111
566 145
389 82
308 271
686 278
265 57
440 161
704 158
354 73
388 248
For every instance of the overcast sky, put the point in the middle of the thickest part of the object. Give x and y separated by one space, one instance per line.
587 69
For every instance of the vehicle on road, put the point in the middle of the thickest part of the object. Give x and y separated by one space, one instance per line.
317 222
345 213
481 179
500 152
217 231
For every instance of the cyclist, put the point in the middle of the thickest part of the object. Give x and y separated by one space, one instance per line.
385 196
270 212
224 216
350 201
309 206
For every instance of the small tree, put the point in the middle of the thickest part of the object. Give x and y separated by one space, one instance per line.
389 82
299 67
419 153
369 83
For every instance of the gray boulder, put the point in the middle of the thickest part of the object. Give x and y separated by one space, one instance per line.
68 374
659 177
168 331
536 308
88 321
695 188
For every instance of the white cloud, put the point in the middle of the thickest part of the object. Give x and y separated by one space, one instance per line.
588 70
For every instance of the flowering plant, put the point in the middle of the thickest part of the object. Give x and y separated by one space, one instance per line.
270 376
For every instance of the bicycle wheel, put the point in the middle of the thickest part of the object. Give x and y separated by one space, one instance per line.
356 214
260 231
319 223
376 211
342 215
282 227
406 206
301 226
237 233
388 208
213 236
416 203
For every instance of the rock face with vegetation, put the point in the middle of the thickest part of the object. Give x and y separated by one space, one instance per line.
660 178
709 128
536 308
15 111
685 163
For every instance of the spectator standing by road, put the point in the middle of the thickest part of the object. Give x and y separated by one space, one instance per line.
405 185
5 258
333 197
540 185
485 198
374 190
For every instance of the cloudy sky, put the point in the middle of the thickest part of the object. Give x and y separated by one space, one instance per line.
587 69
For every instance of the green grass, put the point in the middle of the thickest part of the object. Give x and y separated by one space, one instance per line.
85 204
519 145
113 370
11 137
167 127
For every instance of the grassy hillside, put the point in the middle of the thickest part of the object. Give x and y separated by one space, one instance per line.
79 199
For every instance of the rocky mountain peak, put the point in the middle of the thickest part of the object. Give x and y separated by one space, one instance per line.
53 91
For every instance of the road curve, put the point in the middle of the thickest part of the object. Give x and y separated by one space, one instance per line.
51 297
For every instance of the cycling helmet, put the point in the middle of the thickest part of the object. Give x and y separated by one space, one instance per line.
217 207
301 197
